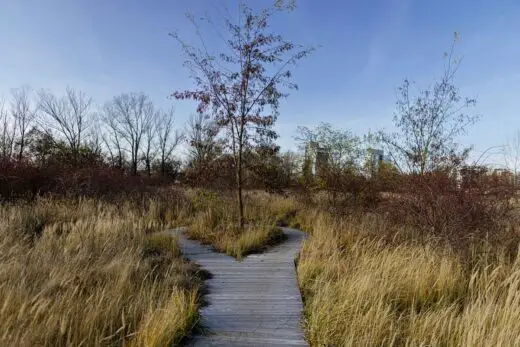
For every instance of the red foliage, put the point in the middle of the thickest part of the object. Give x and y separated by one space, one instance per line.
458 213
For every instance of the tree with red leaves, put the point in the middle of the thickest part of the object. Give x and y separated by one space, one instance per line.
241 86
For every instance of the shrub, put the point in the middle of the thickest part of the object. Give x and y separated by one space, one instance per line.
436 205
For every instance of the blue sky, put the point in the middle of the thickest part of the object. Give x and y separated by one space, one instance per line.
367 47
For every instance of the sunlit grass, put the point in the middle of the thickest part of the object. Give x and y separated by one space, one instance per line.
88 273
216 223
228 238
361 291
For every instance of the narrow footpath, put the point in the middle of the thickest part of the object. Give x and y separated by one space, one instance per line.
253 302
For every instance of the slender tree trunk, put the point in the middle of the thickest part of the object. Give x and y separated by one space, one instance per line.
133 170
238 170
239 188
22 145
119 158
148 167
74 155
163 167
134 159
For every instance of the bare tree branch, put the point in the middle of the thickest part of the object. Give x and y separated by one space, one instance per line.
168 139
130 116
430 122
7 132
69 116
23 112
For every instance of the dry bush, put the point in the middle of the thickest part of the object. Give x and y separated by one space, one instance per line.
90 273
22 180
217 174
436 206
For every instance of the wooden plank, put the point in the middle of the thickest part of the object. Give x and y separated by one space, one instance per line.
253 302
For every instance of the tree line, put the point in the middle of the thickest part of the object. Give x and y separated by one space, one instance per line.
128 132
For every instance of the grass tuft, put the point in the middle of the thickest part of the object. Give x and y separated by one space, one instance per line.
216 224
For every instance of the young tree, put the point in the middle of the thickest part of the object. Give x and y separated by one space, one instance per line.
95 138
336 154
112 138
429 123
202 139
69 116
130 116
512 157
23 112
149 150
290 162
342 146
7 132
168 139
242 86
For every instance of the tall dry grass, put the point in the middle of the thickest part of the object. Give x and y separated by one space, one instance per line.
86 273
361 290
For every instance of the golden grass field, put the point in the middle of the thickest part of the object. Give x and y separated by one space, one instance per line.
97 276
102 274
362 291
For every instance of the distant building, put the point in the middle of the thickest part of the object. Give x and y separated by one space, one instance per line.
376 158
317 158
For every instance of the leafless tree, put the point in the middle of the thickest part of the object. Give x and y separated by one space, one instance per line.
512 156
112 138
149 150
168 138
69 116
95 137
130 116
429 123
23 112
201 135
7 132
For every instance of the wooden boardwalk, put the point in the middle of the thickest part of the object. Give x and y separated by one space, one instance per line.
254 302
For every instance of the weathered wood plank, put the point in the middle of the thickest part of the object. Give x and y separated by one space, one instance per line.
254 302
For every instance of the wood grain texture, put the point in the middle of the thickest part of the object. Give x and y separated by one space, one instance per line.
254 302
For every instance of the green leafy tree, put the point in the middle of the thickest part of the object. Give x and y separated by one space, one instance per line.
343 148
337 154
